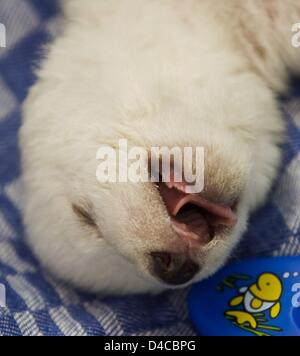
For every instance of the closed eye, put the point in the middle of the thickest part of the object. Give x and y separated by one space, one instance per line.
85 215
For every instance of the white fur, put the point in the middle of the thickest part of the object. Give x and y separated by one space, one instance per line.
160 72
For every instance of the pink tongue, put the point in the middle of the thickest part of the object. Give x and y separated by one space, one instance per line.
176 200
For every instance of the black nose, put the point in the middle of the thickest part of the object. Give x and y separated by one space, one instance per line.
173 269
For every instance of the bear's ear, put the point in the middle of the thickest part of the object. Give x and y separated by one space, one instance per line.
275 311
84 212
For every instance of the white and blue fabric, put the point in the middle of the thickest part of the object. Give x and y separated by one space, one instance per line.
36 304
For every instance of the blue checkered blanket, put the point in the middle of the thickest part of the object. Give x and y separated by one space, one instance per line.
36 304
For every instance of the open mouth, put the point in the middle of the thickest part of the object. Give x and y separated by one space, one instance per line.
194 218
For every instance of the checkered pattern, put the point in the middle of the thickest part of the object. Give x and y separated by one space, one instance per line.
39 305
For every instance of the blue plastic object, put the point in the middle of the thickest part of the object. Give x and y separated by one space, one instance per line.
253 298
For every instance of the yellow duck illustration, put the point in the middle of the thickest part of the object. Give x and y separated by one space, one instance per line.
264 295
